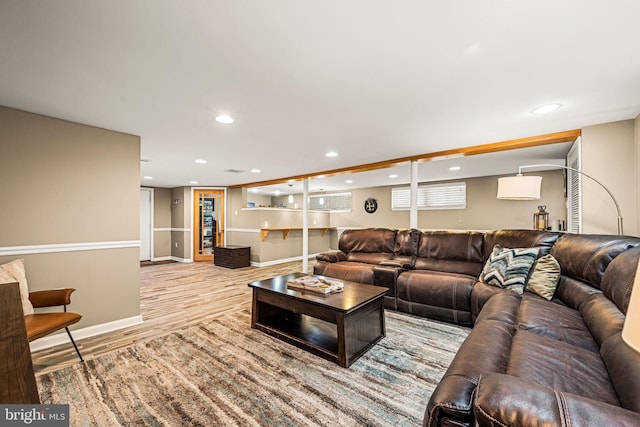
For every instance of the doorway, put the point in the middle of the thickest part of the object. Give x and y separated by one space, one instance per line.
208 223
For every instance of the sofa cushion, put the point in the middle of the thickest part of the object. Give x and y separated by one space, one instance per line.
449 266
602 317
561 366
573 292
407 242
555 321
450 245
369 240
351 271
543 240
509 268
618 279
503 306
434 294
369 258
586 256
623 364
448 290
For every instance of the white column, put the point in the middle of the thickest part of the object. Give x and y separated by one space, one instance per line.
305 226
413 212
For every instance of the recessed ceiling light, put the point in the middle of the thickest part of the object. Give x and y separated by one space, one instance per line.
331 154
545 109
454 168
193 182
319 176
349 181
224 119
393 175
255 190
201 161
255 170
148 177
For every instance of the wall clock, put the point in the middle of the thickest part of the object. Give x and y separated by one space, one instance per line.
370 205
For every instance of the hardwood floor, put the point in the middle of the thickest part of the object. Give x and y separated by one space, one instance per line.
172 297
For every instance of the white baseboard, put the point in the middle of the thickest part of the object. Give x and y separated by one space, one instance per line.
90 331
161 258
175 258
279 261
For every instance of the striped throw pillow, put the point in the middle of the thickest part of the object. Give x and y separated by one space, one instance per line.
509 268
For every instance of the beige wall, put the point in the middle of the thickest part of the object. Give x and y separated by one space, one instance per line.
609 155
483 211
161 219
180 219
65 183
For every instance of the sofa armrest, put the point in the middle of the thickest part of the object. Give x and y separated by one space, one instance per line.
386 274
503 400
332 256
51 298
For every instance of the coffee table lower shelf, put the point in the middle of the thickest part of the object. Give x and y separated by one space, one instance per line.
313 335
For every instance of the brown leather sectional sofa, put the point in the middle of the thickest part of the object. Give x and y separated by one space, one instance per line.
528 360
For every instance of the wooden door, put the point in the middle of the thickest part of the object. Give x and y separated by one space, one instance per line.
208 229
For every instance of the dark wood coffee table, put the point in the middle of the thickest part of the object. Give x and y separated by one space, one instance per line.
338 327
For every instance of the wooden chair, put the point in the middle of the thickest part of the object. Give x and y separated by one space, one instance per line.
42 324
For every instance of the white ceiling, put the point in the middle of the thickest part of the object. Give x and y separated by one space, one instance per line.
370 79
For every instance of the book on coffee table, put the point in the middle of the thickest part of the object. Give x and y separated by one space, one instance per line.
316 284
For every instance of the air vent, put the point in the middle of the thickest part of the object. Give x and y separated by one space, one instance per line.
233 171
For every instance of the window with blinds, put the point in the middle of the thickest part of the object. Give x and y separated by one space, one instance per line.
338 202
431 197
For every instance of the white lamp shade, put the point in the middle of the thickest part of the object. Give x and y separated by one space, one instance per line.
519 187
631 330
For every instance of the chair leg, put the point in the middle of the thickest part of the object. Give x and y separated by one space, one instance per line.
74 344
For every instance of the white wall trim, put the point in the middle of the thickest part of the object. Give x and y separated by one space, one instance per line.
186 260
279 261
67 247
244 230
89 331
188 230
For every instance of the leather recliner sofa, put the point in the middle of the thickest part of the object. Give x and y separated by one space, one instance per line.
528 360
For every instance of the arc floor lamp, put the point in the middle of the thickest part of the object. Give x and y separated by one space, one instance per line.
521 187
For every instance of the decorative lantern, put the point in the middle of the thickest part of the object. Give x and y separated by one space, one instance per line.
541 218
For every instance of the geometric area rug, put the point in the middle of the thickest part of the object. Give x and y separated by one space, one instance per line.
223 373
